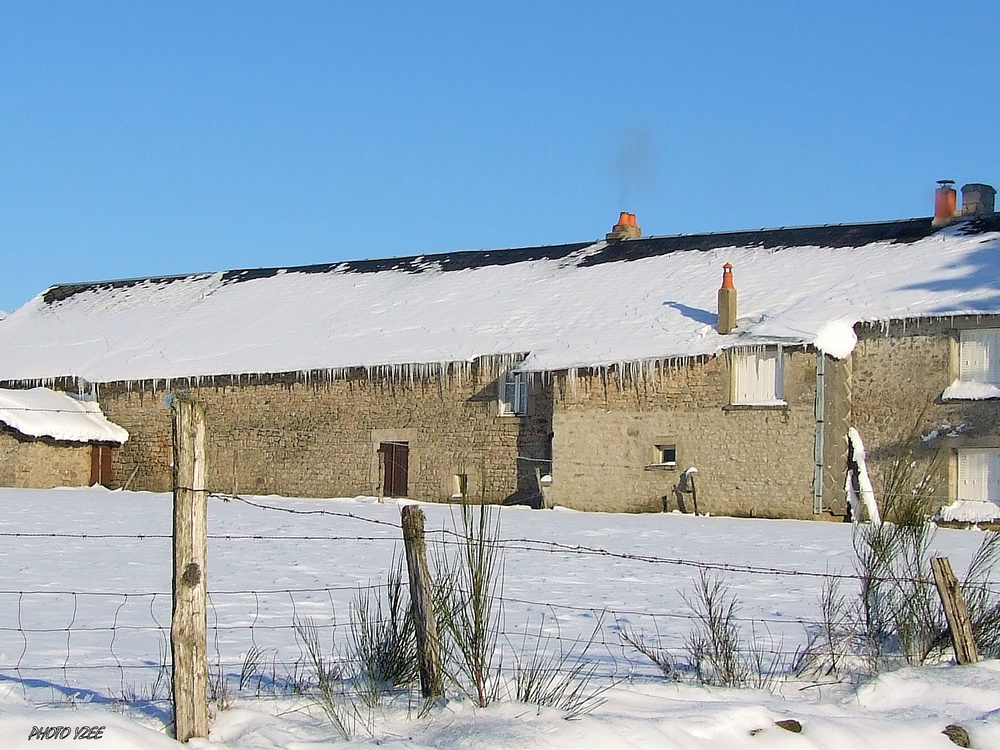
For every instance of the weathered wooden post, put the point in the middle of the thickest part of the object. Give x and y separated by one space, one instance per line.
421 604
189 624
956 611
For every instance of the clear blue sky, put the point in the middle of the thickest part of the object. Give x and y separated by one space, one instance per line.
142 138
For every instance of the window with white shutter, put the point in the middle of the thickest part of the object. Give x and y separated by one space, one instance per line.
758 378
979 475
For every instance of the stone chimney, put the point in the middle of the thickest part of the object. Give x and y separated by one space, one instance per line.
727 301
625 229
978 200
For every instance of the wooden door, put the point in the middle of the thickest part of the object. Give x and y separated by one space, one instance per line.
100 464
395 468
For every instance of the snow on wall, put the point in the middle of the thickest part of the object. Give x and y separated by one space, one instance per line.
40 412
864 495
562 313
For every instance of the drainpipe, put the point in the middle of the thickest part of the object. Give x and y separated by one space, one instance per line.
818 442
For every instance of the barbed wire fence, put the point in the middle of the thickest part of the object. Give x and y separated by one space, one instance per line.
66 646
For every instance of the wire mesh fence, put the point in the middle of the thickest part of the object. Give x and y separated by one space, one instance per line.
279 567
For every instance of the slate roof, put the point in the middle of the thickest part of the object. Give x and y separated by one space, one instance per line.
830 235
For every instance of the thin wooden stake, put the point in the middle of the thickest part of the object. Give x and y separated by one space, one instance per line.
956 611
421 605
189 624
694 493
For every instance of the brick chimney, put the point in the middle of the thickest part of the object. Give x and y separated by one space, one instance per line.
727 301
625 229
977 199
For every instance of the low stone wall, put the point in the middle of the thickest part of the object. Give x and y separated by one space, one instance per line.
41 463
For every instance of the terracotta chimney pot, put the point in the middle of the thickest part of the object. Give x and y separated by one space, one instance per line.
945 203
626 228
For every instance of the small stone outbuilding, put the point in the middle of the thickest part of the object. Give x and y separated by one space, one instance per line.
49 439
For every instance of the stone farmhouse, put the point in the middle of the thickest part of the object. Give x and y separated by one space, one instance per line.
612 375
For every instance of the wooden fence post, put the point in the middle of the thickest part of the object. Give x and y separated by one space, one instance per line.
956 611
189 623
421 604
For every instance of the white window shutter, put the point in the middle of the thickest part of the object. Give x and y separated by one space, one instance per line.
979 356
970 476
758 377
979 475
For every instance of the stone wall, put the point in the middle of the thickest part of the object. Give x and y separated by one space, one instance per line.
753 461
41 463
598 431
321 438
898 375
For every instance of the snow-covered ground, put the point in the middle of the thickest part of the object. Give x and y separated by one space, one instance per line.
84 617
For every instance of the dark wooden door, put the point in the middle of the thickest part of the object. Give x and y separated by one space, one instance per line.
395 468
100 464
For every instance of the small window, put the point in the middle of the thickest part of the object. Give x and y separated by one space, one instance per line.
979 475
459 486
757 378
514 393
667 455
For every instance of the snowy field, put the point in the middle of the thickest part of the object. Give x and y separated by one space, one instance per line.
85 613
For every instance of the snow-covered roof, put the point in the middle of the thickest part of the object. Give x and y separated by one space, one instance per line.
40 412
564 306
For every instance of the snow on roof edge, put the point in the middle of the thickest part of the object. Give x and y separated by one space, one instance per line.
43 412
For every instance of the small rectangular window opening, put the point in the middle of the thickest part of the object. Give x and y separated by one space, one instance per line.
667 455
459 486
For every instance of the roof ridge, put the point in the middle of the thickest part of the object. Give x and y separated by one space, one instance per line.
823 235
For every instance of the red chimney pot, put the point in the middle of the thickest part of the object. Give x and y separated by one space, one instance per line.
727 276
